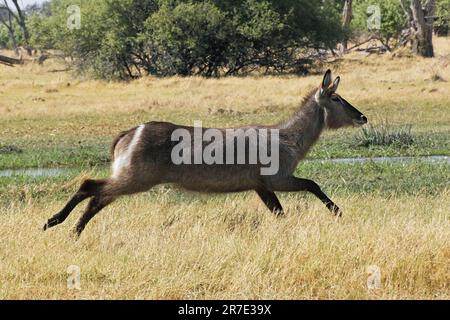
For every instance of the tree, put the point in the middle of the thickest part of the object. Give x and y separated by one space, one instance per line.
6 20
382 19
19 16
421 17
441 23
347 17
189 38
217 37
123 39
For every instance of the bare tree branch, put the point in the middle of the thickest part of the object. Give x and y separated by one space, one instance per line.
6 19
20 18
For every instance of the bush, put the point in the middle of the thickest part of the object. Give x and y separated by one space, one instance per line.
443 17
120 39
107 45
384 135
189 38
393 19
4 37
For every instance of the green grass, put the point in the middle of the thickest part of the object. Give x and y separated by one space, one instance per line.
381 178
385 135
346 144
335 179
83 152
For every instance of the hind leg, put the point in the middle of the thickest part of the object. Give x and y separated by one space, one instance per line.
110 191
95 205
88 189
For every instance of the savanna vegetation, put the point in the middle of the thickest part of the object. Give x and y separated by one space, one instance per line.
125 39
171 244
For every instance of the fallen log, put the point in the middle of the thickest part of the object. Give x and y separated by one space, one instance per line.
10 61
377 49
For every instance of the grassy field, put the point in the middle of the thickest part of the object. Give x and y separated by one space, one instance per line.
169 244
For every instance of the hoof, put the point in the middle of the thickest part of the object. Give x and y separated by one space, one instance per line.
76 233
335 210
50 223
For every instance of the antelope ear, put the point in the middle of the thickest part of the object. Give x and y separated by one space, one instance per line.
325 82
326 79
335 85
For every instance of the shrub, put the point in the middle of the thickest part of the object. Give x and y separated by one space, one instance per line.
384 135
441 24
121 39
189 38
393 19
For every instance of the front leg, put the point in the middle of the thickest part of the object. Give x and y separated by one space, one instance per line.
270 200
291 183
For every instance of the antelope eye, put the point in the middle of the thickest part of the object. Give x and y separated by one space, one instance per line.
336 99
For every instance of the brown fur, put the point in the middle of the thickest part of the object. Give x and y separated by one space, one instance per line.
150 160
116 141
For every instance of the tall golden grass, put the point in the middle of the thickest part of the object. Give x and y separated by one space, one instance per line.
160 245
228 247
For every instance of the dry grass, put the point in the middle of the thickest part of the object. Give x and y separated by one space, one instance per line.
230 247
166 245
383 87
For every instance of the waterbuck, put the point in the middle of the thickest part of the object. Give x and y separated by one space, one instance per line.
144 157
